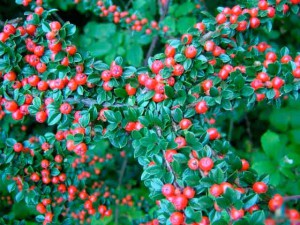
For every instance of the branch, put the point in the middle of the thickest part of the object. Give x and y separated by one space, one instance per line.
16 20
58 18
122 172
128 4
163 12
289 198
90 102
169 167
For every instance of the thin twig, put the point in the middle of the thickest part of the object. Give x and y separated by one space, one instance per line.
128 4
90 102
163 12
122 172
58 17
16 20
293 197
248 129
230 129
169 167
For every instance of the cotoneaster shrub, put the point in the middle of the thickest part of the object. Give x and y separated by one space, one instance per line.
163 114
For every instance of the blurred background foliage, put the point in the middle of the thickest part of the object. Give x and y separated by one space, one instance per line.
268 137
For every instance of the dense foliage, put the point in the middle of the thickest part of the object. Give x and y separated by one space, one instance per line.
79 129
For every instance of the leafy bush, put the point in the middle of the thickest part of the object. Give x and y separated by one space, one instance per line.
74 124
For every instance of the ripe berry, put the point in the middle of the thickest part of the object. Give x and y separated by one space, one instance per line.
204 221
242 26
254 22
106 75
80 78
150 83
130 126
168 190
158 97
207 85
185 124
260 187
11 106
209 46
187 39
180 202
11 76
236 10
193 164
177 218
17 115
178 70
190 52
296 72
221 18
170 51
277 82
206 164
55 26
245 165
41 208
263 5
18 147
213 133
189 192
156 66
116 71
201 107
65 108
169 155
180 141
216 190
130 90
236 214
41 116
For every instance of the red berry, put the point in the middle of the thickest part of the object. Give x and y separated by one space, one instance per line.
216 190
41 116
187 38
156 66
116 71
296 72
170 51
209 46
245 165
180 202
277 82
65 108
201 107
18 147
221 18
190 52
11 106
193 164
169 155
263 5
206 164
180 141
189 192
130 90
185 124
254 22
168 190
178 70
177 218
41 208
213 133
260 187
236 214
